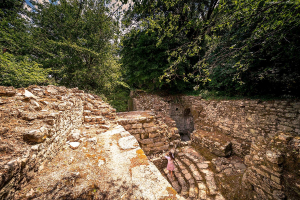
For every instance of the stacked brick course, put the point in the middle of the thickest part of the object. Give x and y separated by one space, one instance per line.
153 135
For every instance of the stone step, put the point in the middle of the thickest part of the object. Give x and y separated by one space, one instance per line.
172 180
193 187
205 180
193 177
180 177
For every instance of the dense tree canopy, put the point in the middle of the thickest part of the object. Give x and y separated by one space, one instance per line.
238 47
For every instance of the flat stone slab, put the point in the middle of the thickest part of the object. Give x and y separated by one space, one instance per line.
217 143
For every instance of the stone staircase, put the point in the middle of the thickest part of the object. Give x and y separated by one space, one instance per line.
193 178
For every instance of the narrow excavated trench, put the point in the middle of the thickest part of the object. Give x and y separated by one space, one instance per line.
199 174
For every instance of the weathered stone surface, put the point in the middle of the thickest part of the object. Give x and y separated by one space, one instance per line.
29 95
146 141
215 142
274 157
128 142
36 136
7 91
74 145
3 130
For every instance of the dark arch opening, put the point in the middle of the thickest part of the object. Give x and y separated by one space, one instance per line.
188 125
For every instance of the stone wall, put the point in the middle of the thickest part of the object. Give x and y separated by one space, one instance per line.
238 127
35 123
153 135
273 167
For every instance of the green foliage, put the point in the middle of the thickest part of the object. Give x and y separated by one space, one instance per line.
21 71
237 47
256 48
143 60
75 39
118 98
162 26
13 26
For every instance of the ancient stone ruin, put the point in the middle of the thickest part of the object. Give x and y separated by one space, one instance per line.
243 149
60 143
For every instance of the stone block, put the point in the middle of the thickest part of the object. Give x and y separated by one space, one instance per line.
7 91
148 125
278 195
146 141
274 157
36 136
261 172
127 127
276 179
149 130
137 136
162 148
87 119
3 130
145 135
153 135
158 144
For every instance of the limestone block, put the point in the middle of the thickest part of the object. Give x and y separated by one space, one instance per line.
162 148
28 116
100 120
29 95
74 145
3 130
137 136
149 130
146 141
160 139
147 125
145 135
137 126
158 144
74 136
274 157
261 172
87 112
278 195
87 119
92 140
284 137
36 105
36 136
276 179
104 126
127 127
153 135
51 90
7 91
